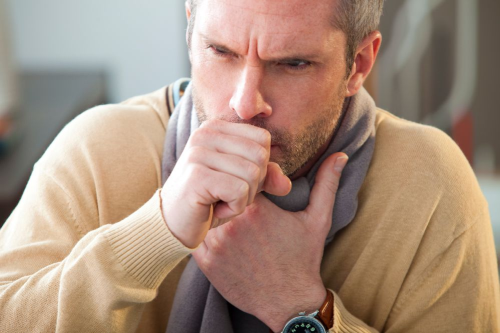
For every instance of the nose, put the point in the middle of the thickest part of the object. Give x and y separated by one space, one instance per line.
247 100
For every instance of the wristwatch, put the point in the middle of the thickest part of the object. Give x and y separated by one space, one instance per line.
319 321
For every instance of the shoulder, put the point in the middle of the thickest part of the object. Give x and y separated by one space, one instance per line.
427 168
421 228
108 159
131 116
109 132
442 213
416 143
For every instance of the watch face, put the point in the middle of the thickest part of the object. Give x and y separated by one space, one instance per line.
304 324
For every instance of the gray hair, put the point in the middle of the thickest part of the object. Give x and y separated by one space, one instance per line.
193 4
356 18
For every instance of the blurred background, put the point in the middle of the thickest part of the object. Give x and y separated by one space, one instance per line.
438 65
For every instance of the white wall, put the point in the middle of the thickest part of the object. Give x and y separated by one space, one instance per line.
140 43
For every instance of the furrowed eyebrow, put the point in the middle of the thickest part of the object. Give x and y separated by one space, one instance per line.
288 58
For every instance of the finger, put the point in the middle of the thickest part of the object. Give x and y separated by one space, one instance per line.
215 221
276 183
232 145
254 133
223 213
231 165
188 209
323 193
214 186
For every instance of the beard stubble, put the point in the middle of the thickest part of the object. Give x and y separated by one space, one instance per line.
296 149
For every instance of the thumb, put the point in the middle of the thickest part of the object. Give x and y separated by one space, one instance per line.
276 183
325 187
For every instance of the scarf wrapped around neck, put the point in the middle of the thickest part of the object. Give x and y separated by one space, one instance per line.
198 306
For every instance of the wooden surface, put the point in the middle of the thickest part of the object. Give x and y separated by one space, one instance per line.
49 100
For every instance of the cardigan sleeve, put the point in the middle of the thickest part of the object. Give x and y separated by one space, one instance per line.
53 280
83 251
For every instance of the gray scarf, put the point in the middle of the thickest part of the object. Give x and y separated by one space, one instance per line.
198 306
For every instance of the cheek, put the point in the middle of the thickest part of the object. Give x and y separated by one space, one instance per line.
297 100
213 86
293 106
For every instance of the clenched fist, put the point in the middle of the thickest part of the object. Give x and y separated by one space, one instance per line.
223 166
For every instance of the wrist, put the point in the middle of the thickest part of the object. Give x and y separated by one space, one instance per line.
308 301
189 235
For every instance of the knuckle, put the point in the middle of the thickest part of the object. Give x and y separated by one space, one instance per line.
201 134
230 229
197 137
261 155
242 193
265 137
216 246
333 185
206 264
194 171
195 154
209 123
326 225
253 171
242 189
253 211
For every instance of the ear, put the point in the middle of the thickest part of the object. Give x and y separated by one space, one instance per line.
366 54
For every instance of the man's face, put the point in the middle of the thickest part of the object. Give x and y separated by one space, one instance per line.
279 65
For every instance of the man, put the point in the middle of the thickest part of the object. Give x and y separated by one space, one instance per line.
403 244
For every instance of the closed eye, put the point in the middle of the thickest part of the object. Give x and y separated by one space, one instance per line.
296 64
219 51
289 64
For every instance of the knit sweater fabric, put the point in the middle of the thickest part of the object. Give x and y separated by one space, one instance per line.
87 249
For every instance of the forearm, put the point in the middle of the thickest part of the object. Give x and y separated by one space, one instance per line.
101 285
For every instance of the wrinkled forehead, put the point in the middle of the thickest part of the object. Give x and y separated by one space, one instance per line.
274 23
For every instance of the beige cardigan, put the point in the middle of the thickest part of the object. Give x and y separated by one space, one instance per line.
87 250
